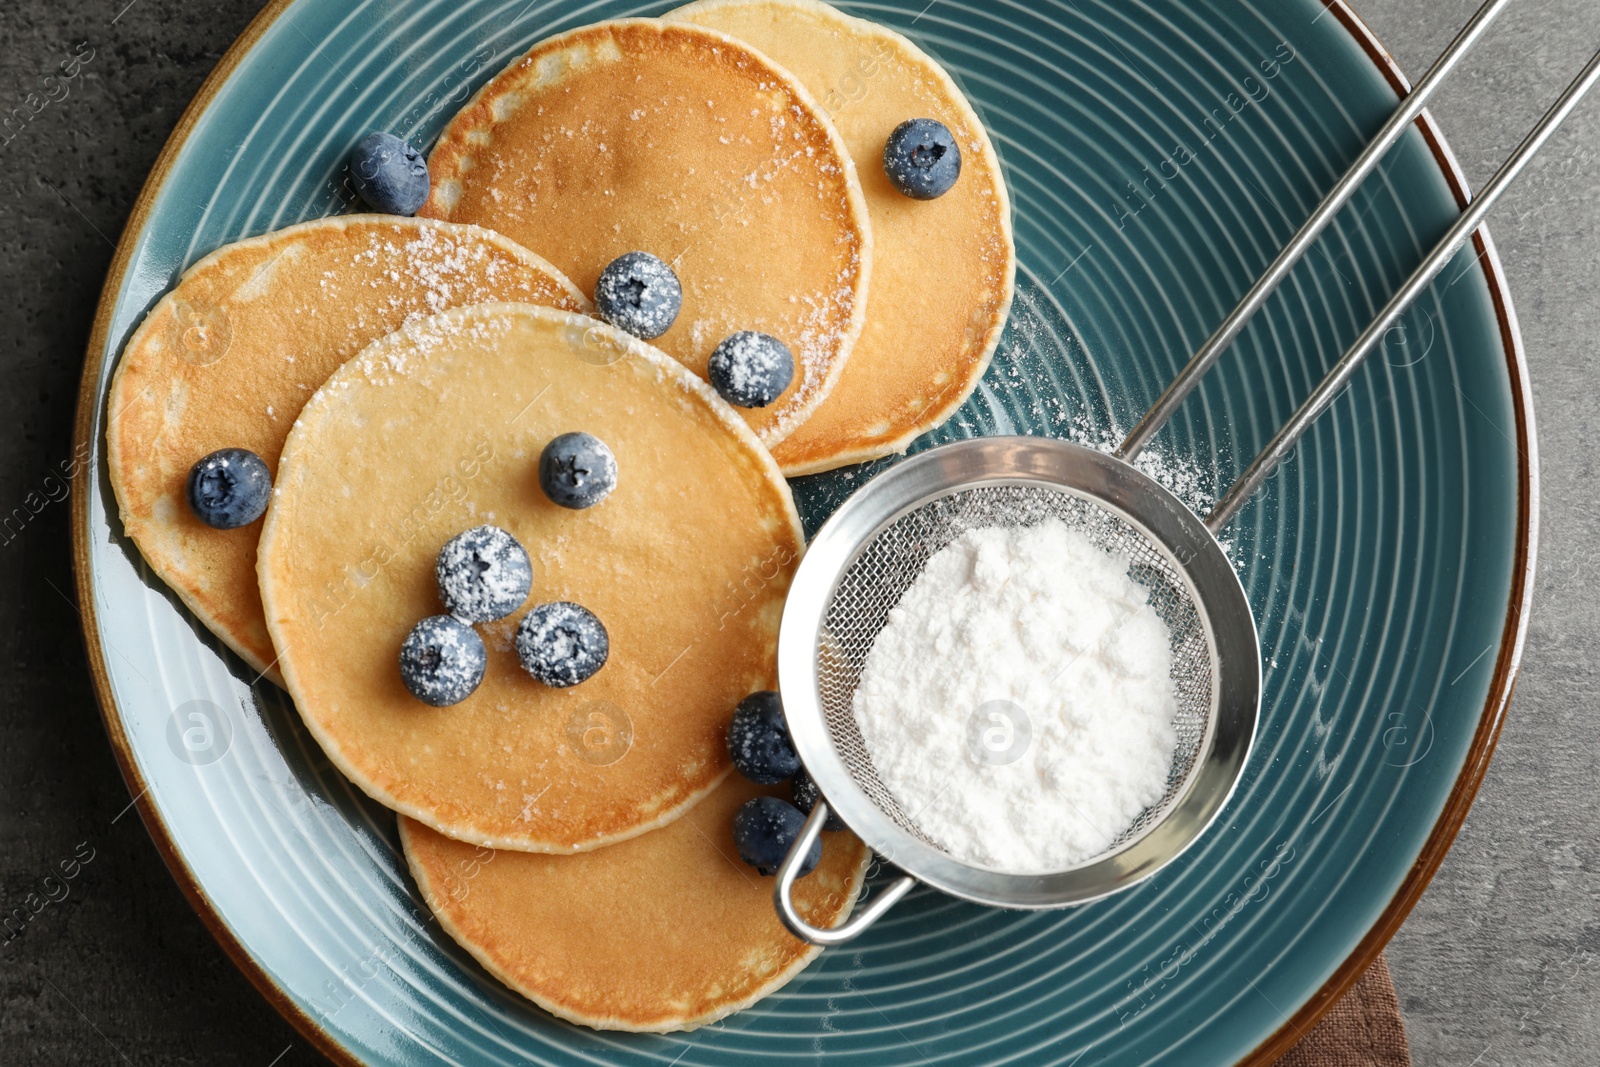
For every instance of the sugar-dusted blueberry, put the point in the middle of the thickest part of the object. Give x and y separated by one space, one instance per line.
751 369
483 574
390 175
442 661
229 488
562 644
577 470
758 740
806 794
639 294
764 828
922 159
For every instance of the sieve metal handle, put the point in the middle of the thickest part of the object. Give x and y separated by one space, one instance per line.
1404 115
1451 243
782 893
1409 110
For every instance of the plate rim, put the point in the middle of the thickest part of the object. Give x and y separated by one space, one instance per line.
1440 838
1519 601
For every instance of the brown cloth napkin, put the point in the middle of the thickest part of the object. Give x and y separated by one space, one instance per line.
1363 1029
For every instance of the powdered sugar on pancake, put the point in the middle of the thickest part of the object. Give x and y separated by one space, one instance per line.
229 357
636 135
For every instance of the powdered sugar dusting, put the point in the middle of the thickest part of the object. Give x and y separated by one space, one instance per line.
1019 702
1181 476
758 158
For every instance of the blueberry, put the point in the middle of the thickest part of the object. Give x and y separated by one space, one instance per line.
442 661
483 574
639 293
763 830
562 644
806 794
390 175
922 159
751 369
229 488
758 740
577 470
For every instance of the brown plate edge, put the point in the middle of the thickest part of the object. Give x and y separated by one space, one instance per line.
1295 1028
84 433
1519 603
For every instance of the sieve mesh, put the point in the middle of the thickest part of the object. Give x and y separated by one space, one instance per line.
893 559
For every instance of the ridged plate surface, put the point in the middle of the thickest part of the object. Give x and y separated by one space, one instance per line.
1159 152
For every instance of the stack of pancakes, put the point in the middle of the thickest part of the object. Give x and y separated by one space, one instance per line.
400 377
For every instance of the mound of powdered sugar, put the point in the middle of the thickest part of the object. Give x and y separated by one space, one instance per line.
1018 702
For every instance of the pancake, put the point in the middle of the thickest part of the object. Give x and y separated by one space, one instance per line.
668 931
681 142
438 429
228 357
942 270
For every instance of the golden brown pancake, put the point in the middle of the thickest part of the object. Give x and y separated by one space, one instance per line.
668 931
942 270
681 142
227 358
437 429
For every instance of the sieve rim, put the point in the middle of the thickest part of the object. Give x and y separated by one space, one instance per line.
1194 556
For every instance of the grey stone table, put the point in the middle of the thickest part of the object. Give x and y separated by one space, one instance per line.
1500 962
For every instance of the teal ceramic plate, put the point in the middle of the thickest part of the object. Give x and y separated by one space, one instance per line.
1159 152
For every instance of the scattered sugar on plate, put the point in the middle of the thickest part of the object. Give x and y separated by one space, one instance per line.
1018 702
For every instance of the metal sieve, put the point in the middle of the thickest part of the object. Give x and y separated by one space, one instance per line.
875 546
